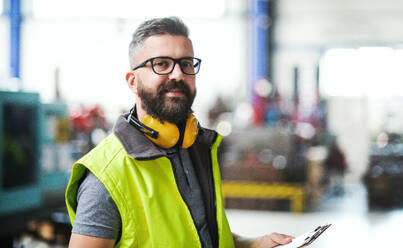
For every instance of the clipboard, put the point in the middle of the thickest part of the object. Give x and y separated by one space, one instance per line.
307 238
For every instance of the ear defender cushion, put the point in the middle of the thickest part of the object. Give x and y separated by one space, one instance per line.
191 131
168 133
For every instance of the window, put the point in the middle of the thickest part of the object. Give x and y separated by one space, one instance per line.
366 71
127 8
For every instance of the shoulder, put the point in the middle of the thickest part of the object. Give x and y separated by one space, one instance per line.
96 213
103 154
91 185
93 192
207 136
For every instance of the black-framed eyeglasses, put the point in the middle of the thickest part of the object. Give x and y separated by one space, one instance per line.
165 65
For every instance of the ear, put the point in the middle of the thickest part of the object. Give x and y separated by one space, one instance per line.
130 76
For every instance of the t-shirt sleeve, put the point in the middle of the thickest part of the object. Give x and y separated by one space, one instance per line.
97 214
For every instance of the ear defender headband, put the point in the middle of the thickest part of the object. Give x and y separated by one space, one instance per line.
165 135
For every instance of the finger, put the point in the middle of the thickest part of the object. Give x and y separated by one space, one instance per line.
281 238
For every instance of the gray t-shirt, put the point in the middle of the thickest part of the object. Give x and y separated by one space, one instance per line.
97 214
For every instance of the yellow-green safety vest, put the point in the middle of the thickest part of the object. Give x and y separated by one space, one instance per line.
152 210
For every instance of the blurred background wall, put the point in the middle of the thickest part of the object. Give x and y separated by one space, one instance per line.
89 48
307 31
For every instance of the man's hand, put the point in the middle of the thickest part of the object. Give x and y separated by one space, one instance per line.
271 240
267 241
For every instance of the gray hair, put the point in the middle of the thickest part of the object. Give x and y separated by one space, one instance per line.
156 26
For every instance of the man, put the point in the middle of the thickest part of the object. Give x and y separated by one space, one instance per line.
154 182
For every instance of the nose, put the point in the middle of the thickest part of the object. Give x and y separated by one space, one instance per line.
177 73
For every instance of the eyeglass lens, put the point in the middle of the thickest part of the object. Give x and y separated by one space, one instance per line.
165 65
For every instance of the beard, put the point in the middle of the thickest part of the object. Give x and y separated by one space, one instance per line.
171 109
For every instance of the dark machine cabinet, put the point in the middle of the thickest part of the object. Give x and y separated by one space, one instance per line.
35 160
19 153
384 178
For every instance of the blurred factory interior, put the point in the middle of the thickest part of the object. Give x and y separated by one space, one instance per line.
307 94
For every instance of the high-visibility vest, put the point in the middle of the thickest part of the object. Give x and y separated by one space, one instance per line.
152 210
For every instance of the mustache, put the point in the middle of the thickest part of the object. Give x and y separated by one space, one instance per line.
173 85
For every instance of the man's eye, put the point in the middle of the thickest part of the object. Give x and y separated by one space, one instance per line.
187 64
161 63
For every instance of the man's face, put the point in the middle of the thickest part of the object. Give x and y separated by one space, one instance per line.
166 97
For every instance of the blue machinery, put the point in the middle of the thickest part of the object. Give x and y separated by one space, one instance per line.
34 158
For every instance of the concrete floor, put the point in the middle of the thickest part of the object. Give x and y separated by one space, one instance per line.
353 225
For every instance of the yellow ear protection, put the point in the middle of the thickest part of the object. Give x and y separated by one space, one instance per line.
167 134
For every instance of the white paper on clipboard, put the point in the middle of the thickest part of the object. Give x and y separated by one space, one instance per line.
306 239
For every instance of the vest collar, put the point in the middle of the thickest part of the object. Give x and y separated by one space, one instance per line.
135 143
141 148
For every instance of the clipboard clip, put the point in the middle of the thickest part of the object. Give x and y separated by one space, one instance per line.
315 234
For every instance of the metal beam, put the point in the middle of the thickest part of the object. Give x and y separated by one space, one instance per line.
15 37
262 18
